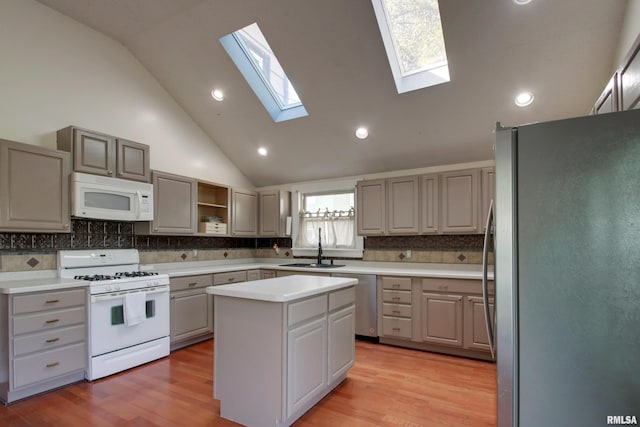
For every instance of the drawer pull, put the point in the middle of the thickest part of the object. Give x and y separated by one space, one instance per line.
52 301
52 321
395 298
396 286
443 288
231 279
50 340
52 365
396 311
396 329
193 284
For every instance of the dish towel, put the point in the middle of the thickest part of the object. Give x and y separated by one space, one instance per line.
135 308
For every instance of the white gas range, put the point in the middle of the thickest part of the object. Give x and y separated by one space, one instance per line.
128 308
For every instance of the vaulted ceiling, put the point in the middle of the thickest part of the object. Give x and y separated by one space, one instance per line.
333 53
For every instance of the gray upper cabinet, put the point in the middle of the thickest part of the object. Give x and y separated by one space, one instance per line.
244 212
275 207
174 205
608 100
101 154
629 85
132 160
429 203
460 196
403 205
371 207
34 188
488 190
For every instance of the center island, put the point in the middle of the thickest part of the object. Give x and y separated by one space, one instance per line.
280 345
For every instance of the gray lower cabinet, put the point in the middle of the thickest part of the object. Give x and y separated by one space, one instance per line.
441 315
174 205
442 319
475 328
315 337
46 332
191 310
396 307
34 189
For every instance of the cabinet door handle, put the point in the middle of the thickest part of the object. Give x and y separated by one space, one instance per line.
50 340
52 301
51 365
52 321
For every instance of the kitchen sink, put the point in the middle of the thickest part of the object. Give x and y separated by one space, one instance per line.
308 265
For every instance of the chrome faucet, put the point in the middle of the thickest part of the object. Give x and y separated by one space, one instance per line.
319 261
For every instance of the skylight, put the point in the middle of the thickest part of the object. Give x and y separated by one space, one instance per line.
253 56
412 34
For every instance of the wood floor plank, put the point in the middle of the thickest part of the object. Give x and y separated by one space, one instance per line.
388 386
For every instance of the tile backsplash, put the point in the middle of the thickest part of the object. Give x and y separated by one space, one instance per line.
37 251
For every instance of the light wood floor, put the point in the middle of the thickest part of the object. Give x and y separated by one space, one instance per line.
388 386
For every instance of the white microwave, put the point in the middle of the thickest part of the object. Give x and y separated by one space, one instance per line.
100 197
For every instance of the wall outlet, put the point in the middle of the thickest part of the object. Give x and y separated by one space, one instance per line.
408 253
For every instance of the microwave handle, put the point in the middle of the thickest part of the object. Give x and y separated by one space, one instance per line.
138 203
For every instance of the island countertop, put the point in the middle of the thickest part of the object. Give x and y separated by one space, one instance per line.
282 289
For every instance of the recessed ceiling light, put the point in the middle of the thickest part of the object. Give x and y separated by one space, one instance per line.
523 99
362 133
521 2
217 94
262 151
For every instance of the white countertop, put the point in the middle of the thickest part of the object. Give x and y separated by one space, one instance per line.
282 289
450 271
47 280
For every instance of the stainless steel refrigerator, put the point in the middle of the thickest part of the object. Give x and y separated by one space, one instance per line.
567 273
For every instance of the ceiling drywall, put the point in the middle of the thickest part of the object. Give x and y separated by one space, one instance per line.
333 53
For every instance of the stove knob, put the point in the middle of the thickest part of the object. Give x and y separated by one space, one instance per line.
116 287
108 288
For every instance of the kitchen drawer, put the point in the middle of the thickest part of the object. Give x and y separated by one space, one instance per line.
48 320
454 285
191 282
341 298
397 283
396 297
267 274
48 301
48 340
253 275
231 277
48 364
306 309
396 327
401 310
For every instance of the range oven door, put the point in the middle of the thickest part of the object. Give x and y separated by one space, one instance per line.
108 331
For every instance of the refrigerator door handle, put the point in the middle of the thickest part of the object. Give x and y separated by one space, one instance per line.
485 281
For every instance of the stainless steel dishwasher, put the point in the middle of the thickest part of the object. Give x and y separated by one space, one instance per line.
366 305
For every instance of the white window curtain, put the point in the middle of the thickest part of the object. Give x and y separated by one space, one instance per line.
337 228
